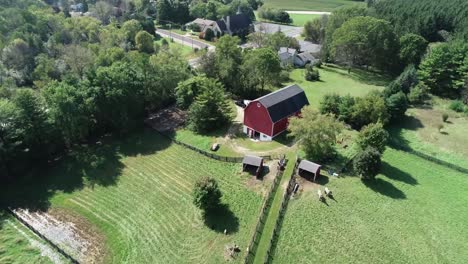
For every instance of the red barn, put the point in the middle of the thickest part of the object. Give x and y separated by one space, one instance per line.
267 116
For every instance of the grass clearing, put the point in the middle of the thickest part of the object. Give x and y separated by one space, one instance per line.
414 212
336 80
299 20
145 212
311 5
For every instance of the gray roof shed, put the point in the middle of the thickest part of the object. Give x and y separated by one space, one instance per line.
252 160
309 166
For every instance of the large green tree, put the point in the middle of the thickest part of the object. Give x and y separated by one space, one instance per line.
412 48
373 135
210 110
316 133
366 41
228 59
260 68
206 193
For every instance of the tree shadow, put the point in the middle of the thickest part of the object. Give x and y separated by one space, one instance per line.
265 171
385 188
85 166
394 173
361 75
221 218
396 130
308 176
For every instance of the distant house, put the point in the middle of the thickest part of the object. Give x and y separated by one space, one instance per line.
304 58
205 24
286 56
238 24
268 116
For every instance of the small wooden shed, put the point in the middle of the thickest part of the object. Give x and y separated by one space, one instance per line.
310 167
254 162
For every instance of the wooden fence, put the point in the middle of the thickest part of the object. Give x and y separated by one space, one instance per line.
35 231
262 217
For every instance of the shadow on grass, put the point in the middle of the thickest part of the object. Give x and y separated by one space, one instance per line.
84 166
385 188
220 219
361 75
396 174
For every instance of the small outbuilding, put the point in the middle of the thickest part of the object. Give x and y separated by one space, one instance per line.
252 163
306 166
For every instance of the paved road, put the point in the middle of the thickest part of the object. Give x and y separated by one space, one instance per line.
309 12
187 41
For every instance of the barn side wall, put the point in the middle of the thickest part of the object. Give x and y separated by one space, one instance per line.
256 117
280 126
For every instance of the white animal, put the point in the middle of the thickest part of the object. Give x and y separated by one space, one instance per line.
320 195
327 191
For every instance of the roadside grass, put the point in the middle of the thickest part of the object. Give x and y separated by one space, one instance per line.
15 245
299 20
146 212
414 212
334 79
184 51
311 5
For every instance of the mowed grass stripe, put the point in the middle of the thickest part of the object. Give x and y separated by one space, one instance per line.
147 214
137 233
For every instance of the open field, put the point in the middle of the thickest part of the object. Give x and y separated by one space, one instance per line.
19 245
139 198
414 212
300 19
313 5
337 80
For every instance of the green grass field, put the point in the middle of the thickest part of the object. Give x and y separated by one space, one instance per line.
336 80
300 19
19 245
414 212
143 205
185 51
312 5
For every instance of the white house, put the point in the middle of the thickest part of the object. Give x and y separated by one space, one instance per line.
286 56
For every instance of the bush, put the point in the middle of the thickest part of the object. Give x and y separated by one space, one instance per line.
369 109
164 42
418 94
194 27
209 34
457 106
284 76
445 117
206 193
311 74
397 105
373 135
330 104
367 163
273 14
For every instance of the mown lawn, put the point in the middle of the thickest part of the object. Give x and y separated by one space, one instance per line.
414 212
141 201
19 245
300 19
334 79
311 5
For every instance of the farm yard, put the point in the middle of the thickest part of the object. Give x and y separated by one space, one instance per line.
144 212
311 5
412 213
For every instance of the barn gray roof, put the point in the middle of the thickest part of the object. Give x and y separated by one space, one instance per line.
309 166
252 160
284 102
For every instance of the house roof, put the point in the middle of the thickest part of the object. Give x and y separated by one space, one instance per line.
202 21
252 160
287 50
306 57
236 23
284 102
309 166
